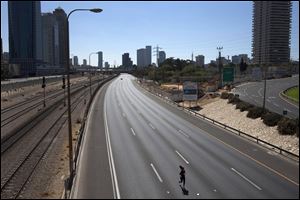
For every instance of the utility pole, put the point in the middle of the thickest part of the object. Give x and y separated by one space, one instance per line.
156 53
220 67
44 86
64 87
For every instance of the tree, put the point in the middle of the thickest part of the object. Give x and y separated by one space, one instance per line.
243 66
4 71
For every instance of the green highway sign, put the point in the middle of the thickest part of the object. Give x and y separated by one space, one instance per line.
228 74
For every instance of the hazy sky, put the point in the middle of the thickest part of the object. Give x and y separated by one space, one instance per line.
180 28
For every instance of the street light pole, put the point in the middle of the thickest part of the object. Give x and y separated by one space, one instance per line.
69 108
265 84
90 75
96 10
220 68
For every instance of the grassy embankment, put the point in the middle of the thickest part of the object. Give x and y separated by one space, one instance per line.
293 93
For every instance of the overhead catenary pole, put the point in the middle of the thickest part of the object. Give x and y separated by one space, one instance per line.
67 49
156 53
64 87
44 86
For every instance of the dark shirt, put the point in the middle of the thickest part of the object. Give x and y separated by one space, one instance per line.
182 173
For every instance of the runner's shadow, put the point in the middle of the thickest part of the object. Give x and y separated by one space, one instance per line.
184 190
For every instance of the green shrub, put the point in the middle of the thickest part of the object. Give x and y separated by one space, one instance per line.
234 100
271 119
287 126
255 112
224 95
230 95
243 106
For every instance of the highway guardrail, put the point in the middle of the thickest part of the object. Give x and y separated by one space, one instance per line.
231 129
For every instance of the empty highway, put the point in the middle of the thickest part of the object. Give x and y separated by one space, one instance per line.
134 144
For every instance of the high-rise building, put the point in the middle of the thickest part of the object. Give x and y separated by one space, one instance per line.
148 55
100 59
126 60
245 58
25 35
61 36
200 60
48 22
106 65
75 60
141 57
224 61
236 59
271 32
161 57
84 62
71 62
144 57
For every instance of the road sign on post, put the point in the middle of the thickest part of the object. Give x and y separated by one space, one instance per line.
44 82
190 91
64 82
43 86
284 112
228 74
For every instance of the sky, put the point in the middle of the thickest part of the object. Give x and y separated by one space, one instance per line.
180 28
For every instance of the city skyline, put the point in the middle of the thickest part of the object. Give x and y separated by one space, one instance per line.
121 28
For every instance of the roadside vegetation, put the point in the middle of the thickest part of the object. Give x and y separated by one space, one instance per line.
173 70
285 126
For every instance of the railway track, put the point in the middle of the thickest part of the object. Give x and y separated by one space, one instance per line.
10 126
13 112
22 151
14 181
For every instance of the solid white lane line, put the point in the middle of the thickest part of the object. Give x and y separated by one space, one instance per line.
132 131
182 157
257 187
151 126
111 159
183 133
159 178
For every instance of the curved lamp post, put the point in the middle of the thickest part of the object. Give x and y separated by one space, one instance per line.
95 10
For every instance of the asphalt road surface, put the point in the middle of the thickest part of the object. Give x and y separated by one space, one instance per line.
146 143
254 92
